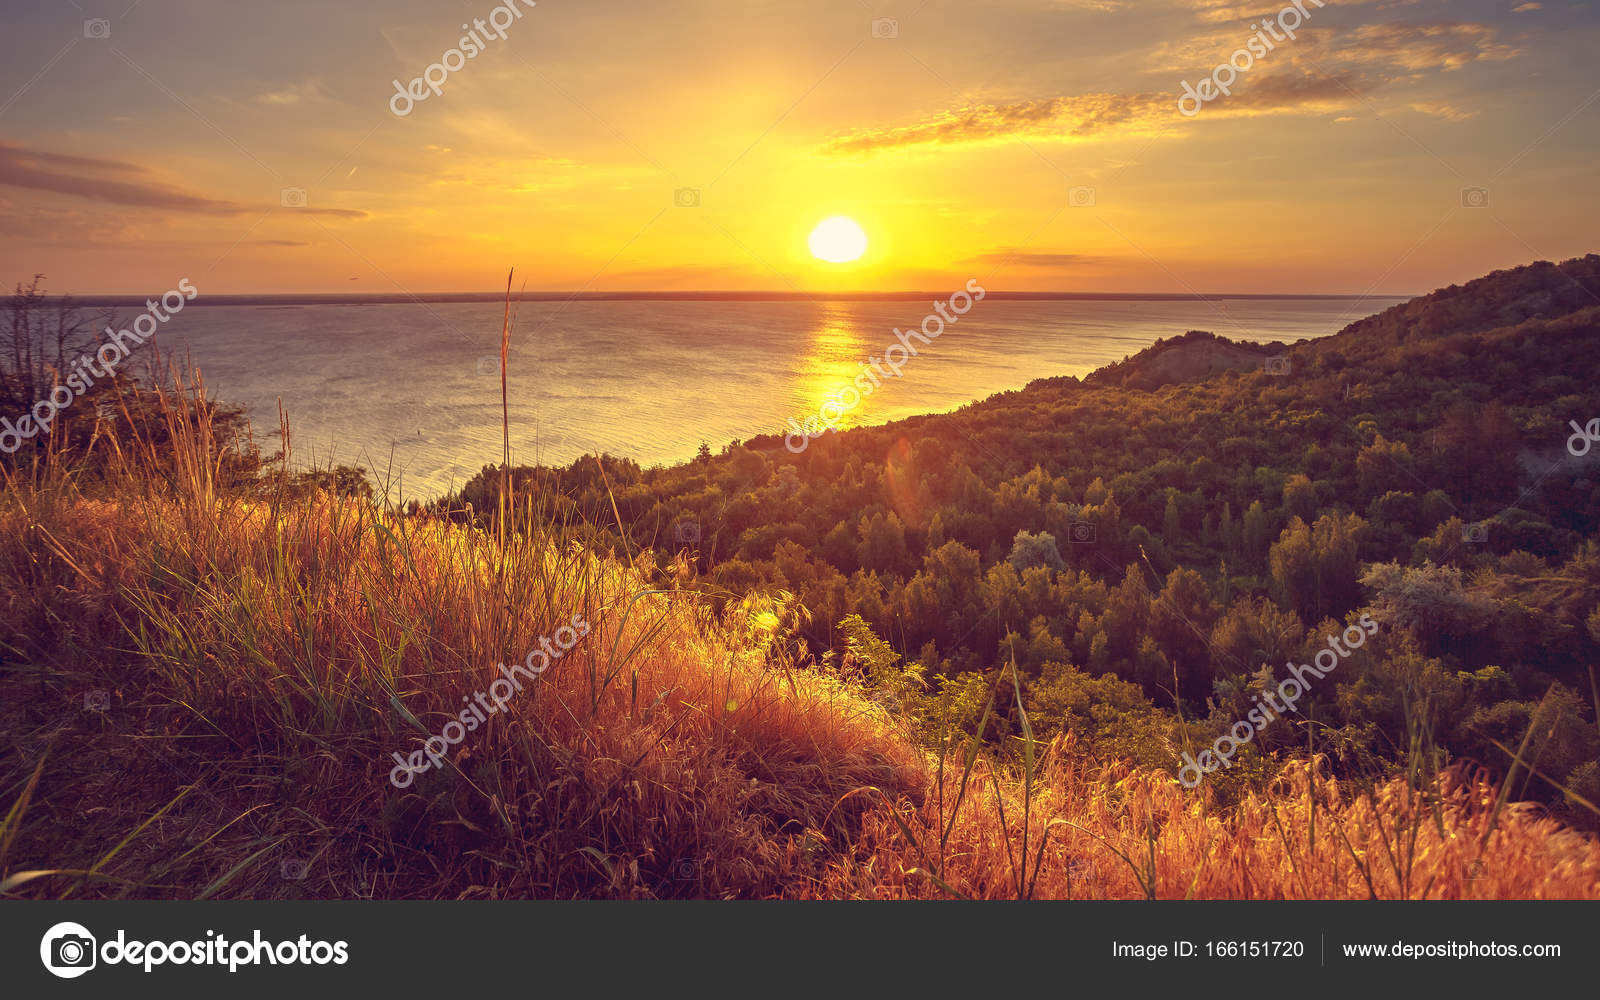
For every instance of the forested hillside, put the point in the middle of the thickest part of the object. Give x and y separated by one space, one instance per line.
1153 544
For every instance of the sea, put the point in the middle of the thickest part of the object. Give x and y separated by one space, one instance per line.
411 389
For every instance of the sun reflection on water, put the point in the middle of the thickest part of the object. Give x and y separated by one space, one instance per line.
836 354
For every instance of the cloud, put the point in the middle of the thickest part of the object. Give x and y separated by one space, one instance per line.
69 161
1527 8
87 178
1382 48
83 177
1080 116
1442 109
1444 45
1234 10
1034 258
1231 10
1088 116
1290 91
336 213
308 91
673 276
1322 72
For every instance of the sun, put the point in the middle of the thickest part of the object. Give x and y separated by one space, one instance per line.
838 240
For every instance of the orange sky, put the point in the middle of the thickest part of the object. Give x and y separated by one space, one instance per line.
158 144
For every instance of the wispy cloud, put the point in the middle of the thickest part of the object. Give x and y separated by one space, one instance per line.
1440 45
1442 109
85 177
1326 70
1241 12
1379 48
309 91
1018 257
1091 116
109 181
1080 116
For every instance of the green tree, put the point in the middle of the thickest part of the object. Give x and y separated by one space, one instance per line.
1314 568
1255 532
1029 550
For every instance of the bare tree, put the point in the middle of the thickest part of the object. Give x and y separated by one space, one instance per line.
40 343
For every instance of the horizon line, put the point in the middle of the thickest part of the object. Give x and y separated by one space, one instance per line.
668 295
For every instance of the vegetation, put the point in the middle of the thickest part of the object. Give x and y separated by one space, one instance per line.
1163 537
956 655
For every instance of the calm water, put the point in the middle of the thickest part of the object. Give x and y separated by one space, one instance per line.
414 389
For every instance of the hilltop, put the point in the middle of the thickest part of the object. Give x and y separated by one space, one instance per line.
1194 357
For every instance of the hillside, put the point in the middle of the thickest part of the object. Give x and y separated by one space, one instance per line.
1179 536
957 655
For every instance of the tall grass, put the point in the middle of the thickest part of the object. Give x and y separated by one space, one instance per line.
1131 834
287 648
266 654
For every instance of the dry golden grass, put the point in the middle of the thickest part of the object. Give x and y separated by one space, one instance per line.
662 756
266 660
1118 833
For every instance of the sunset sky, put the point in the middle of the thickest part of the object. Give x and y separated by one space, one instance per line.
162 150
